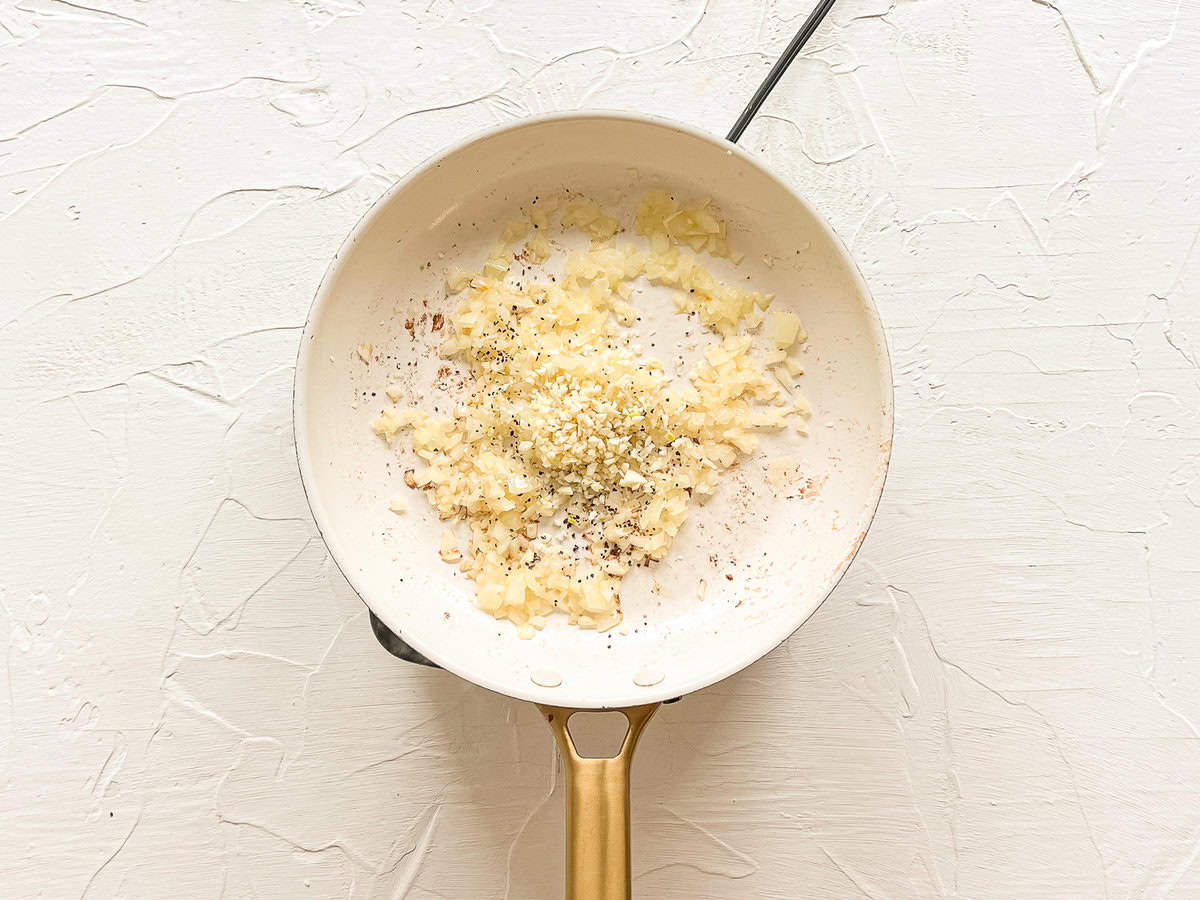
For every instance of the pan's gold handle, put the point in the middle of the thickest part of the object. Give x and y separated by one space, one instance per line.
598 809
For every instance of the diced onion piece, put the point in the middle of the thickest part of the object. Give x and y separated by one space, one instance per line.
449 551
786 329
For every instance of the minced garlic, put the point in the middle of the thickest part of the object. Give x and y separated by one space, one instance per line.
569 423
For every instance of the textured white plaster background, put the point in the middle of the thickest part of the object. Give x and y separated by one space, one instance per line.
1001 700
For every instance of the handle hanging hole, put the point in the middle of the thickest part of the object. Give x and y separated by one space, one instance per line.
599 734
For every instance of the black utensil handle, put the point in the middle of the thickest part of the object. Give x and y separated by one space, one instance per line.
777 70
394 645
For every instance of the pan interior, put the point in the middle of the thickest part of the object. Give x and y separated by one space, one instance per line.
748 567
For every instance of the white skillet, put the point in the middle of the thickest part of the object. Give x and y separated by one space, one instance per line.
749 566
784 546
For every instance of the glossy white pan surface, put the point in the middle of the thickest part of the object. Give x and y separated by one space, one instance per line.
749 566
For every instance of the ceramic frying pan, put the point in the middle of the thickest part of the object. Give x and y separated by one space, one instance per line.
748 567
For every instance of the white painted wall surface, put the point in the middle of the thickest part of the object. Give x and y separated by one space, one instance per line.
1000 701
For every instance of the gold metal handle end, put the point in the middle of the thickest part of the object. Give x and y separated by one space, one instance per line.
598 864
